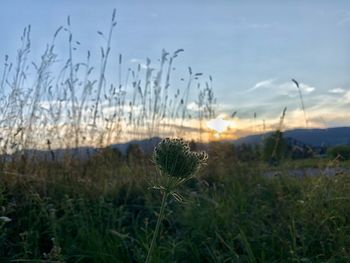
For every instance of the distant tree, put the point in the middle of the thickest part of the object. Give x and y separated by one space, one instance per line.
134 154
299 151
108 155
341 151
274 148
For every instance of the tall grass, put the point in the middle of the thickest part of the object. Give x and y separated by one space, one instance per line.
74 103
301 100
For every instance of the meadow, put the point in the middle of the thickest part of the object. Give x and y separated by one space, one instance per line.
104 207
104 210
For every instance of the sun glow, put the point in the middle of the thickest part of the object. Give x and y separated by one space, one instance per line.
218 125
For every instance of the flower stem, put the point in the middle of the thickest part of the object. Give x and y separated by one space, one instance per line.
156 231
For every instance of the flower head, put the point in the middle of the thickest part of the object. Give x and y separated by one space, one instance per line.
174 158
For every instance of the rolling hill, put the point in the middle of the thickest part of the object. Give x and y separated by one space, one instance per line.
312 137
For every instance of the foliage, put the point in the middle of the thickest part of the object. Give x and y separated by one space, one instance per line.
101 210
342 152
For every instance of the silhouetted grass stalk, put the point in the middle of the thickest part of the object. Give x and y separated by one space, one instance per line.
156 231
70 104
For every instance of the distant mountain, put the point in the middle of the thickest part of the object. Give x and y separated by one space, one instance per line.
147 145
312 137
301 137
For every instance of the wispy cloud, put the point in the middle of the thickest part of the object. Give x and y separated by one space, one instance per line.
282 88
243 22
338 90
259 25
263 84
289 88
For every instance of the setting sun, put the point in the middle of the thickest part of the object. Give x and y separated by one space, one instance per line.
219 125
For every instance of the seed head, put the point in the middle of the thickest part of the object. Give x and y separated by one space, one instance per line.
174 158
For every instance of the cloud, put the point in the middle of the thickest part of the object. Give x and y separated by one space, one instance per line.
284 88
243 22
290 89
338 90
263 84
324 108
138 61
270 96
258 26
192 106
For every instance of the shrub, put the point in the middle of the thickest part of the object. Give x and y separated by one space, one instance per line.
341 150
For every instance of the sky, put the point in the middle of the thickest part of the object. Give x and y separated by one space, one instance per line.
252 49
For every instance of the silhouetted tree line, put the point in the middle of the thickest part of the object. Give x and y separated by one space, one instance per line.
273 149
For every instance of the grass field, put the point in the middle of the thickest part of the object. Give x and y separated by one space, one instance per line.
104 210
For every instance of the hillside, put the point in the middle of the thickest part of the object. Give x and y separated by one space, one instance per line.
312 137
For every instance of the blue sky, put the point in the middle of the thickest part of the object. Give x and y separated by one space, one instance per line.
251 48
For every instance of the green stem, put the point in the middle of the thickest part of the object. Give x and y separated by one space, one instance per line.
155 234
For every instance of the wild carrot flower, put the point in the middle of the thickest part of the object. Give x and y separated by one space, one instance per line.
174 158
